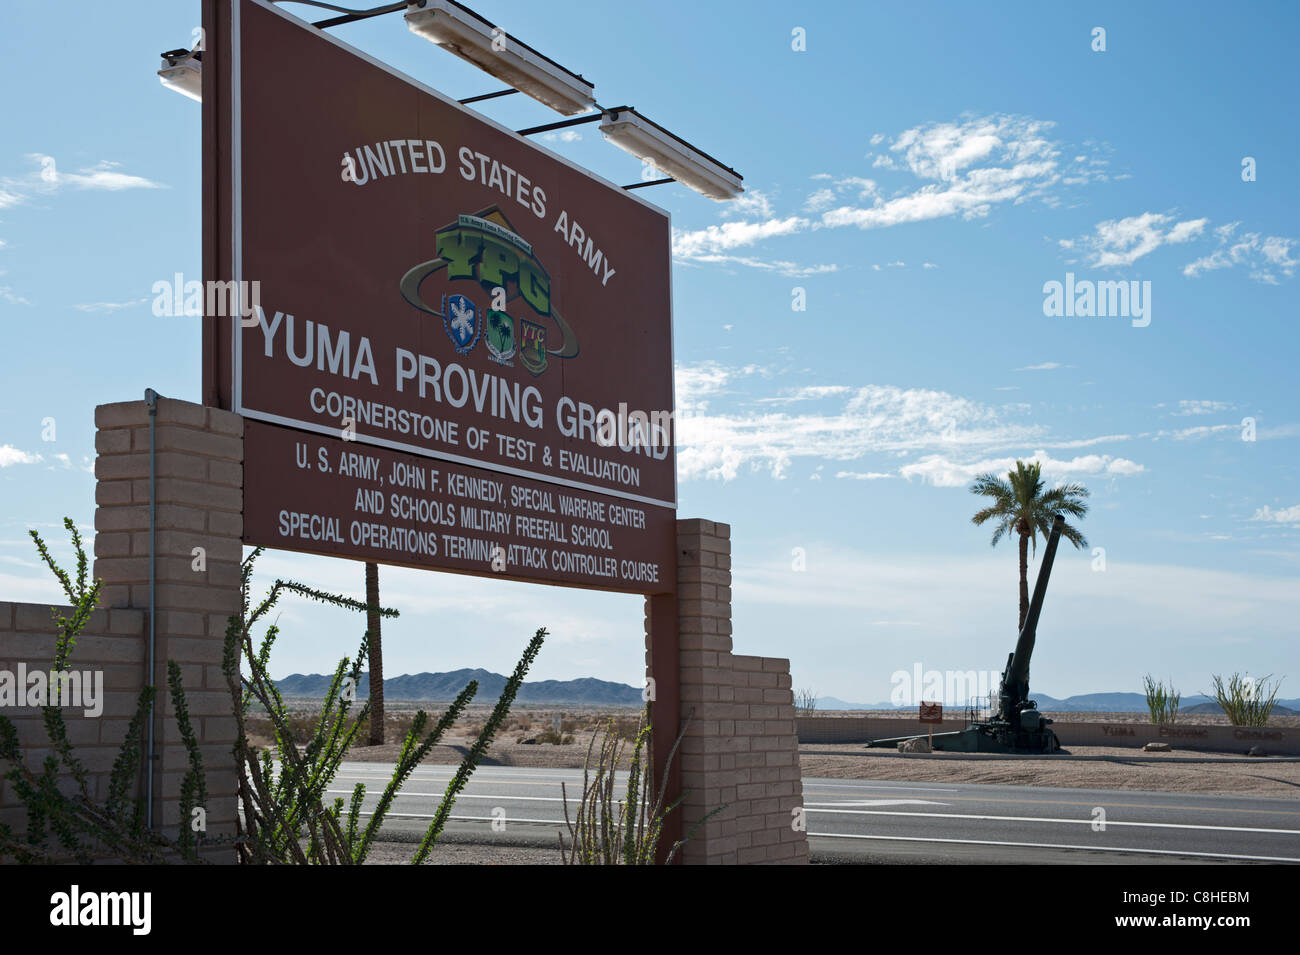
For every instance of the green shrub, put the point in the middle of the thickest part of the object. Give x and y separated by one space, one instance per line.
606 830
1162 702
285 818
1247 701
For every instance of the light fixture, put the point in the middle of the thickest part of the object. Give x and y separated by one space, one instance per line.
630 131
462 31
182 71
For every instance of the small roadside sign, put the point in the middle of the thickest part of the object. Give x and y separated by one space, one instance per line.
931 712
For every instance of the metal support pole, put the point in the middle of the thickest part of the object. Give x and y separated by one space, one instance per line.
483 96
652 182
562 124
151 401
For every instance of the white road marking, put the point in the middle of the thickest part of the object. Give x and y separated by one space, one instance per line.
851 784
1051 845
345 792
878 802
1081 822
429 815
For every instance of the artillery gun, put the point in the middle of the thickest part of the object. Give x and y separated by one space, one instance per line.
1017 726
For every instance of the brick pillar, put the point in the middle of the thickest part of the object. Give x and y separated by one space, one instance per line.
739 750
199 478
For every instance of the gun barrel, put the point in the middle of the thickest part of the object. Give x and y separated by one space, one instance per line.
1018 670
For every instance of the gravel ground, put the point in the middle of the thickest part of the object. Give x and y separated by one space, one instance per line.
504 752
450 853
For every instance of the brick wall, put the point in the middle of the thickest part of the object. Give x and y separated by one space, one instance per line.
199 477
113 642
739 750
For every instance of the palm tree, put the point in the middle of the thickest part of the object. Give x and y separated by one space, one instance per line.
376 656
1021 506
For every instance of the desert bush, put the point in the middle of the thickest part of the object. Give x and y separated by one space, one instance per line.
1247 701
66 823
1162 701
805 701
626 728
555 737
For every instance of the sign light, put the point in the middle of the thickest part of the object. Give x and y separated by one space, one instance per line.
460 30
630 131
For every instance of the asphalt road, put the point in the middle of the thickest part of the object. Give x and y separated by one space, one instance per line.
865 821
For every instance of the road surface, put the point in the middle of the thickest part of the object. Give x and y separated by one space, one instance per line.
861 821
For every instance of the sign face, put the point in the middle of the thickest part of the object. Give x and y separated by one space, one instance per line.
931 712
444 324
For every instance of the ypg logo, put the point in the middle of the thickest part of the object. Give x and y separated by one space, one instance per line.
483 253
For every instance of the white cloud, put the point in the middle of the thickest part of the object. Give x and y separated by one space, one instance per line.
562 136
9 455
1045 366
109 306
1202 431
749 203
1265 256
819 200
731 235
7 293
1287 515
49 179
940 471
863 475
867 419
965 169
784 267
972 165
1201 407
1121 242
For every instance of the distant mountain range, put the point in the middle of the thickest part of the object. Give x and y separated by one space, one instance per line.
444 687
1084 703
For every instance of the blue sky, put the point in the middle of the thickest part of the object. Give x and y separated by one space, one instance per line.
920 171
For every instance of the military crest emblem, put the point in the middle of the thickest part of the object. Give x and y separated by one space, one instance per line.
500 338
460 317
532 346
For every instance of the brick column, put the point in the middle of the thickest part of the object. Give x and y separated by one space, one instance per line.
739 750
199 481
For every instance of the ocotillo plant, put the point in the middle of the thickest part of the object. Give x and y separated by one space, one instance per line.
286 819
1247 701
606 830
1162 702
73 826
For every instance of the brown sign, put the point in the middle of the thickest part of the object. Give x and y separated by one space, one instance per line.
931 712
431 292
350 499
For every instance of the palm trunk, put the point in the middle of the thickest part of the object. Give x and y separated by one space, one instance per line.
1024 581
377 656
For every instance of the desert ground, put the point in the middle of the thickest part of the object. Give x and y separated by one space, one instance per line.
530 739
